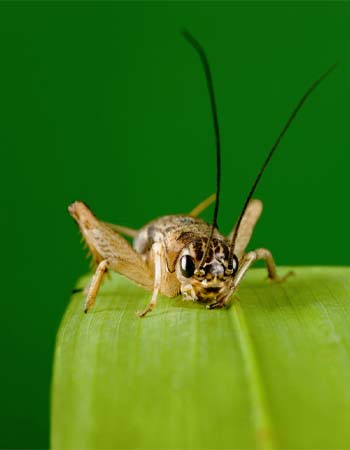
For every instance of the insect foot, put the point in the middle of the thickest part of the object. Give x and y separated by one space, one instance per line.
216 305
278 279
144 312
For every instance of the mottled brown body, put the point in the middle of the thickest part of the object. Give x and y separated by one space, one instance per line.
166 253
182 253
175 233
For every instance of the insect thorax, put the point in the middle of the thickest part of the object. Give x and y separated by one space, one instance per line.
184 239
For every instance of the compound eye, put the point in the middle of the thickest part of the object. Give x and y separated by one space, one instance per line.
234 264
187 266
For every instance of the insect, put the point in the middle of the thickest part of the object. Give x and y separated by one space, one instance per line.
181 253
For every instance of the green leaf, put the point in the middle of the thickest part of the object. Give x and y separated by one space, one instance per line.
272 371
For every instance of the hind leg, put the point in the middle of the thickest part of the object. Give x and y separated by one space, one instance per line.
202 206
109 251
95 284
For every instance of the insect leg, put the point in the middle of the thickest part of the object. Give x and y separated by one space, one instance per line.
202 206
157 251
123 230
95 284
245 231
248 259
109 250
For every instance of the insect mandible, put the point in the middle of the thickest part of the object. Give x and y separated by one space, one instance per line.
181 253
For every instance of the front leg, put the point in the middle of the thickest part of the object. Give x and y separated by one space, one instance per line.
156 257
248 259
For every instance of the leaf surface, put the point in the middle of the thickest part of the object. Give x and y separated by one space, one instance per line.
272 371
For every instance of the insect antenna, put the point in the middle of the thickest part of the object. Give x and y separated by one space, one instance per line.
271 152
203 57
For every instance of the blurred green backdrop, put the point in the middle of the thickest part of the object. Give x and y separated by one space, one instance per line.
107 103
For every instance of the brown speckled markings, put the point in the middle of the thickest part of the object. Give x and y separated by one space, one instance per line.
182 253
167 255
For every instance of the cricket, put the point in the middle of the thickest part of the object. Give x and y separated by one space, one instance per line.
181 253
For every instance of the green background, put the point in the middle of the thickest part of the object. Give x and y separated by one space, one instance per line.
107 103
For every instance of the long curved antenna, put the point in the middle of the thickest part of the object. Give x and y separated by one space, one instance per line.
269 156
197 46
